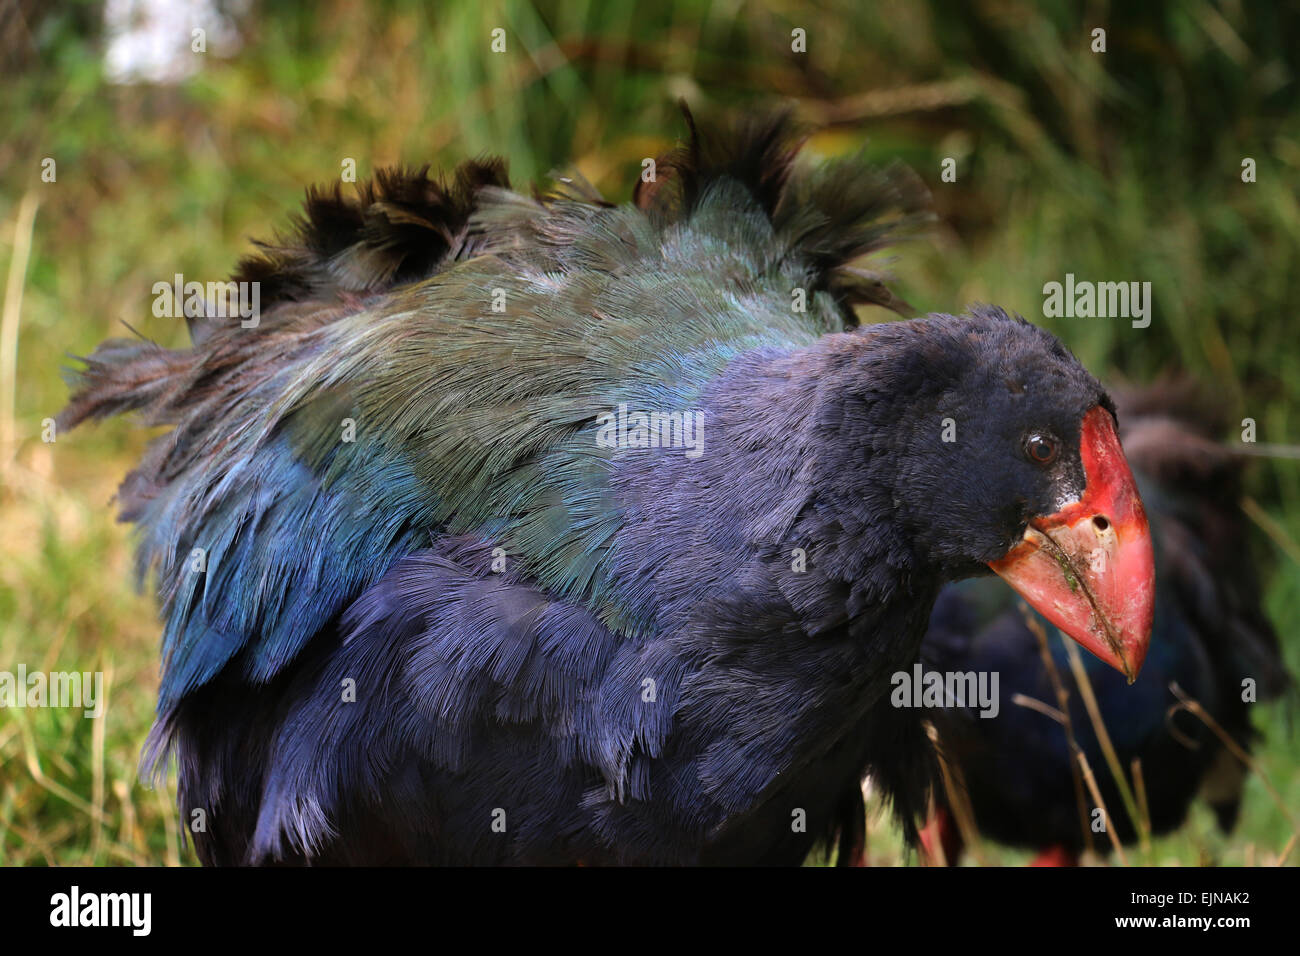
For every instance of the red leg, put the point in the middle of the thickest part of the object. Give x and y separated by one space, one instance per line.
941 833
1055 856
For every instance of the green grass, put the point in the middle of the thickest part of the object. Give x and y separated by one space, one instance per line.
1124 165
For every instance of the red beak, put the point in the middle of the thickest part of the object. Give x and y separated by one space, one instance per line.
1089 568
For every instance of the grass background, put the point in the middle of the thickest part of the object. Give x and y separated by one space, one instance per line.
1123 165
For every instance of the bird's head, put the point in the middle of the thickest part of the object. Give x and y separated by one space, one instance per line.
1004 456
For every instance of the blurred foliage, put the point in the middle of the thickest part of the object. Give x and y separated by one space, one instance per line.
1123 165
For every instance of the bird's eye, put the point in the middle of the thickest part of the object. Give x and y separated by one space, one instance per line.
1042 449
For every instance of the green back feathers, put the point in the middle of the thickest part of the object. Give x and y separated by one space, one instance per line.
434 357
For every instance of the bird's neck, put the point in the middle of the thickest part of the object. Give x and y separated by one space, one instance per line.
784 513
763 581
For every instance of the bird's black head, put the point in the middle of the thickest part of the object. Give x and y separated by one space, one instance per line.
995 449
990 435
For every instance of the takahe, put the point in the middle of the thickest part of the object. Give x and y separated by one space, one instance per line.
435 592
1209 637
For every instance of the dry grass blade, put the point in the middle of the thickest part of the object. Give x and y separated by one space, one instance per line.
33 762
1089 699
1091 781
97 771
1286 850
13 304
1270 526
954 786
1063 705
168 811
1266 449
873 104
1033 703
1193 707
936 855
1140 791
